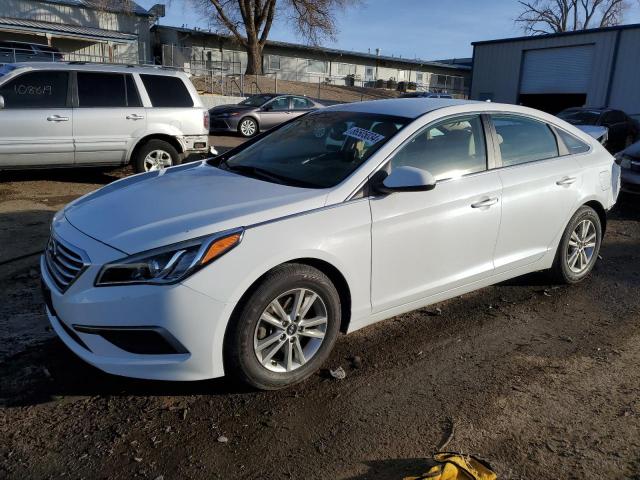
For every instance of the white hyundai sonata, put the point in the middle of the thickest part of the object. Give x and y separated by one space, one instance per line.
251 263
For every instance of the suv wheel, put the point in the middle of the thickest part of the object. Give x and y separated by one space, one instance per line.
285 330
579 247
156 155
248 127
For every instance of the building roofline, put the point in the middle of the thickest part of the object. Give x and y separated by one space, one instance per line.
629 26
371 56
110 7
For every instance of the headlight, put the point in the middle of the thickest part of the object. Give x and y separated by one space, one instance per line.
169 264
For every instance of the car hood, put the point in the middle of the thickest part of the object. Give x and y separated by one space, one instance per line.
220 109
154 209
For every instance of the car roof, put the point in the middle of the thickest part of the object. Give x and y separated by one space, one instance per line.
403 107
95 67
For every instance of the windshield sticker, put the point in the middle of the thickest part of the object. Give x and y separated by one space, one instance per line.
367 136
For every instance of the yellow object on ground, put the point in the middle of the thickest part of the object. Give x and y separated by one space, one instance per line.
455 466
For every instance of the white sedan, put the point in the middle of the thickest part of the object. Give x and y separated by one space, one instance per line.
251 263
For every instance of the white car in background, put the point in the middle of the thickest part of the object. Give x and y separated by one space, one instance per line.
251 263
66 114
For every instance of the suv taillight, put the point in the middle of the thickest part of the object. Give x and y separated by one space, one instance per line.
206 120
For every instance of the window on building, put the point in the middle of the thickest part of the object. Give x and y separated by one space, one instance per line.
573 144
368 73
316 66
166 91
344 69
419 77
101 90
524 139
447 149
274 62
44 89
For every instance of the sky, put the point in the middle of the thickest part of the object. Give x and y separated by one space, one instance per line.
427 29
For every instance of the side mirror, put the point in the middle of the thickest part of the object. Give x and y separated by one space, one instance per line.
406 179
267 108
1 102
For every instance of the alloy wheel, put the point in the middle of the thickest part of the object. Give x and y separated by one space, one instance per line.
290 330
248 127
157 160
581 246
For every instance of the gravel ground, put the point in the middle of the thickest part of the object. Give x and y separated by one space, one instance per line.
540 380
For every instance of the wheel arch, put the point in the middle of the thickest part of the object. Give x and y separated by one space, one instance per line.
331 271
170 139
251 116
602 213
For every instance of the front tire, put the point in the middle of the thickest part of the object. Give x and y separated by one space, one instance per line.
155 155
285 330
248 127
579 247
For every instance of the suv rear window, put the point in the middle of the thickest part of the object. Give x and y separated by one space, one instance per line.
166 91
45 89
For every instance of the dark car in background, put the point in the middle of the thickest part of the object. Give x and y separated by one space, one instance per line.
426 95
629 161
622 130
14 52
258 113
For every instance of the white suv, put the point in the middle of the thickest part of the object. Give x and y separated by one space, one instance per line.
75 114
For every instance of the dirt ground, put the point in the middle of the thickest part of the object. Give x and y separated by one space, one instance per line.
540 380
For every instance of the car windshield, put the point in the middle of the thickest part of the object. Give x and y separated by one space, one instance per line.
256 100
580 117
318 150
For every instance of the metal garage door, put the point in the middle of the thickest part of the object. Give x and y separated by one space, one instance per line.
557 70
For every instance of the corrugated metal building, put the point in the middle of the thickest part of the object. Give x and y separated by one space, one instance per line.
597 67
114 31
201 50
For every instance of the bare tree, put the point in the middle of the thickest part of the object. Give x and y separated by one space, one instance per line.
554 16
250 21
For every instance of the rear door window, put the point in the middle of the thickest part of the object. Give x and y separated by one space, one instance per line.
165 91
101 90
44 89
524 139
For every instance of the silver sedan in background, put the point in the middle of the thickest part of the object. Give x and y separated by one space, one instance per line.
259 113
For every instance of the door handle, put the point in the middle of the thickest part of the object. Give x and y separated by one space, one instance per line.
566 181
135 116
485 203
57 118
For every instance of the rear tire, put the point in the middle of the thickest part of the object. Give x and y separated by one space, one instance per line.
270 348
155 155
579 247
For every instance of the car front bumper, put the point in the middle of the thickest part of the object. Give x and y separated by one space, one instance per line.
224 124
83 316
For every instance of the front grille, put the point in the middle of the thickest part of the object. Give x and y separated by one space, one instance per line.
64 263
